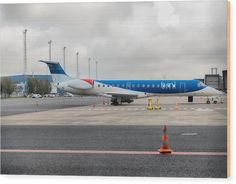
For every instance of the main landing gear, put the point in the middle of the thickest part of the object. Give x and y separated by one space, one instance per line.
119 100
114 102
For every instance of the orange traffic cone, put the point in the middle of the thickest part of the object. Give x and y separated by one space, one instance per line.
165 147
177 106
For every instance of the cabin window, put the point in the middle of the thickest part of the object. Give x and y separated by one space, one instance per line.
148 85
123 85
138 85
133 85
153 85
143 85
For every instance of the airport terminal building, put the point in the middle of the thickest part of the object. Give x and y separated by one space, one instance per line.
21 80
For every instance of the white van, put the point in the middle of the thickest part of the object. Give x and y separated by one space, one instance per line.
36 96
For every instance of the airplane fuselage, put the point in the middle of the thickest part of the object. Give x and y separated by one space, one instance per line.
144 88
126 90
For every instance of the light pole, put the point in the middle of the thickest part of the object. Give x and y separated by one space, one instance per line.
64 58
25 53
77 64
96 69
89 66
50 45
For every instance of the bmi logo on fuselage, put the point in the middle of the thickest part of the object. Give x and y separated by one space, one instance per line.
168 85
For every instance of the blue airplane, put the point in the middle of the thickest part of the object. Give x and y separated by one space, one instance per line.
127 90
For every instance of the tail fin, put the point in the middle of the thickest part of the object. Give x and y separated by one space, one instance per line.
57 72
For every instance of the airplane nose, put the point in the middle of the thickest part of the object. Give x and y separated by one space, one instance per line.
222 93
216 92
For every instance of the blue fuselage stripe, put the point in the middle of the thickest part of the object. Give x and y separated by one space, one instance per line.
156 86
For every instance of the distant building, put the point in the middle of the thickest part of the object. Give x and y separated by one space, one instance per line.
202 80
214 80
20 81
19 90
24 78
224 74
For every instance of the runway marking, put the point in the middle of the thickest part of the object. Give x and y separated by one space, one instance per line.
189 134
108 108
111 152
201 153
204 109
221 108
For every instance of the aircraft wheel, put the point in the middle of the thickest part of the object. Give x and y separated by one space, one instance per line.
114 102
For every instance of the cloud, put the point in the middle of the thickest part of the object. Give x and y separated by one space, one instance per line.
140 40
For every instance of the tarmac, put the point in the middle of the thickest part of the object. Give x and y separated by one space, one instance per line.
98 139
14 106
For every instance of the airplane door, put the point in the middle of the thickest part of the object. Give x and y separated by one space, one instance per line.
128 85
182 87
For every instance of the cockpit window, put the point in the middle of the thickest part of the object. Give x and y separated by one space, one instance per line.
201 84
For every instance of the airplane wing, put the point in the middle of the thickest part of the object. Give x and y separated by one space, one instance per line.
122 94
120 97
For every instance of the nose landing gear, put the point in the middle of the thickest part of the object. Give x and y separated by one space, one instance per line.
208 101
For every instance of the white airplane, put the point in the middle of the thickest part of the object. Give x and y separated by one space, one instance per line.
127 90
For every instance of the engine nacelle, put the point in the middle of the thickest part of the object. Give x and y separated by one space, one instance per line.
79 84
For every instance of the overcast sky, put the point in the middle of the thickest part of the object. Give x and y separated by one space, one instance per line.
143 40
